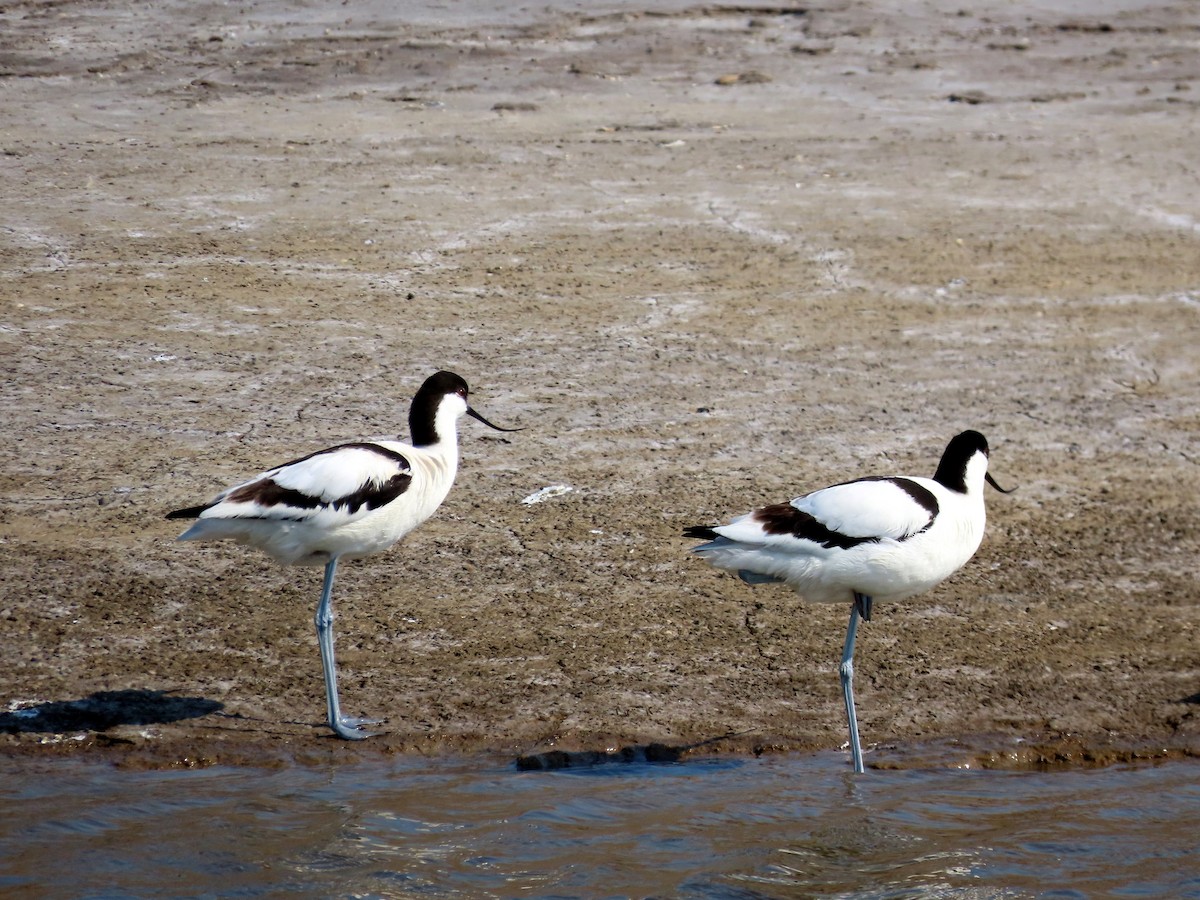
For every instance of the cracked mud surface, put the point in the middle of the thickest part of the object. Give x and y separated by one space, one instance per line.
711 257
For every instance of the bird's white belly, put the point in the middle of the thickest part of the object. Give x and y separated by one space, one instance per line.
887 570
378 529
884 570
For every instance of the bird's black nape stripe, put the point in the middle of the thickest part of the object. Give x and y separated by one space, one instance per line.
700 533
952 469
421 416
783 518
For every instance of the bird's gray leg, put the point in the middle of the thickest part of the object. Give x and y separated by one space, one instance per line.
861 608
863 604
350 729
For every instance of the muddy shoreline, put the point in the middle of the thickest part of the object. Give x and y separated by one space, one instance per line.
711 257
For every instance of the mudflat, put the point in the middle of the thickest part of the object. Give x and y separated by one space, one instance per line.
710 257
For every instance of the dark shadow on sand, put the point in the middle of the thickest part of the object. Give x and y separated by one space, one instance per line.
106 709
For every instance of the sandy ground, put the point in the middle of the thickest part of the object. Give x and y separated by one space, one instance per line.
710 256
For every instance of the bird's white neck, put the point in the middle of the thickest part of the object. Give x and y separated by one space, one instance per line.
973 477
440 430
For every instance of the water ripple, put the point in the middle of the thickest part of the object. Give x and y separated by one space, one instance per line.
722 828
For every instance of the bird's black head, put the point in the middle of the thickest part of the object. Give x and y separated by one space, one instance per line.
422 417
438 385
952 470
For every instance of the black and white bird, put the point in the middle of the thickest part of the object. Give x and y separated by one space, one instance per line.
345 502
876 538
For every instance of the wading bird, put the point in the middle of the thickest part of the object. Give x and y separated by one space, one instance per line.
876 538
345 502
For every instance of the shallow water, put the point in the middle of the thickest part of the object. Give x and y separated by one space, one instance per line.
786 826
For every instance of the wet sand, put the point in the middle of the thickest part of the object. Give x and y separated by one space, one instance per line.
710 256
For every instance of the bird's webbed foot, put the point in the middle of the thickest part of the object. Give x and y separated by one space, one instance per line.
352 729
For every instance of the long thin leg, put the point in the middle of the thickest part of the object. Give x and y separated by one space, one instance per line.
350 729
860 609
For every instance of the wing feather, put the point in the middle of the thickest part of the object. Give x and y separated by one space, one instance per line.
343 480
841 516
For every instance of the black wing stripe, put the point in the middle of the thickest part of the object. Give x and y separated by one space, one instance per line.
269 494
783 518
399 458
375 496
922 496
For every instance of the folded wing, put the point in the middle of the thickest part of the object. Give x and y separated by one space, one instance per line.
843 516
344 481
